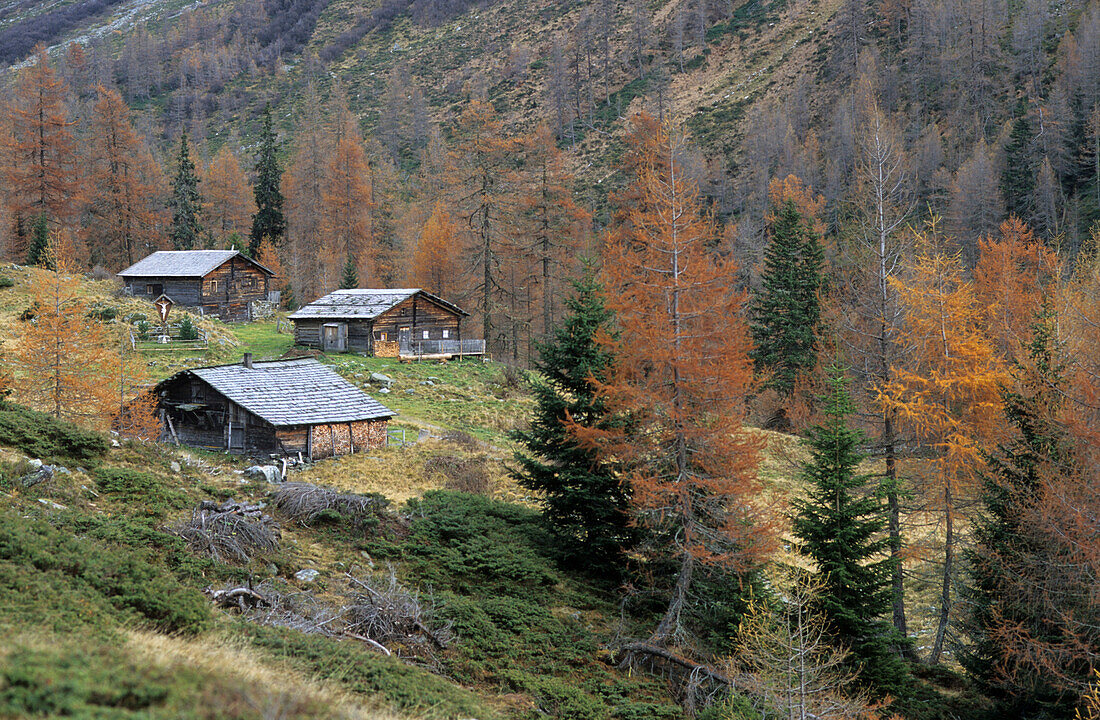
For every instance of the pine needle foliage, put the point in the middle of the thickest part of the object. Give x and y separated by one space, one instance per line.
786 310
585 500
841 524
269 222
185 202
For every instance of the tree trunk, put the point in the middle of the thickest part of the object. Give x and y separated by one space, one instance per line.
948 564
889 442
670 623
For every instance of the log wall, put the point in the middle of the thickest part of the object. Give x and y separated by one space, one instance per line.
419 314
345 438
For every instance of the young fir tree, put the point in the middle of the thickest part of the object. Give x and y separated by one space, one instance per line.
586 504
350 279
786 311
37 254
1008 555
1018 176
185 202
841 524
269 221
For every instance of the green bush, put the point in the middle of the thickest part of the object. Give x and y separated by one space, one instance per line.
142 328
559 700
103 313
188 331
145 494
6 282
48 576
44 436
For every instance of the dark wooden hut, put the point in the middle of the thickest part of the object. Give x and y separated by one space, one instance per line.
223 283
283 407
385 323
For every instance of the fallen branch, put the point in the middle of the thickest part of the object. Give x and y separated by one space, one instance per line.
368 641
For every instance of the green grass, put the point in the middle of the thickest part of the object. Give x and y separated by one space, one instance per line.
261 339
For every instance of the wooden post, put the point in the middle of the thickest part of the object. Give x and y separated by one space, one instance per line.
351 440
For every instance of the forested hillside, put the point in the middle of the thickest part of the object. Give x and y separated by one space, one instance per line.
795 301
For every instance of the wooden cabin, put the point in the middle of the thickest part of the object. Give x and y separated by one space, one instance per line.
223 283
284 407
385 323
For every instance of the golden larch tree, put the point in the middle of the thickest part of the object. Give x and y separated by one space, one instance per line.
124 206
228 202
437 254
948 392
681 374
42 169
1015 274
64 360
346 200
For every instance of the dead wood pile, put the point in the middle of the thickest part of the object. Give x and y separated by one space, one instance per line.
231 531
696 684
305 503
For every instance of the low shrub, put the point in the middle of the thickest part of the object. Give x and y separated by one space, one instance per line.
103 313
50 577
44 436
6 282
144 493
188 331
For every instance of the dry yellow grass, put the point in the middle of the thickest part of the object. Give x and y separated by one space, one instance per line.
273 691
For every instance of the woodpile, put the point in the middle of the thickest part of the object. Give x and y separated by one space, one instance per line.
231 531
305 503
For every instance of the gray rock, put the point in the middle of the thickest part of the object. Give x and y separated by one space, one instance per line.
267 473
175 466
51 504
384 391
427 382
410 391
307 575
60 469
115 443
41 474
380 379
35 464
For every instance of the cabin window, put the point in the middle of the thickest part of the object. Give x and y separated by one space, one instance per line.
425 334
213 286
446 334
382 337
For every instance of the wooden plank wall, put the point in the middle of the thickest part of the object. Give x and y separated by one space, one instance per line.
239 282
419 314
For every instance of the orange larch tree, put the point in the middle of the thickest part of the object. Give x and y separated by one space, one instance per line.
681 374
552 217
124 208
949 390
64 360
346 200
1015 274
228 203
437 254
303 182
42 169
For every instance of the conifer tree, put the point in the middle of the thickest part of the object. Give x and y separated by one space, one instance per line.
1018 176
585 500
350 279
39 243
1006 549
786 311
841 524
185 202
269 221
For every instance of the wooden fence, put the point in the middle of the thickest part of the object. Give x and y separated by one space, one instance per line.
155 339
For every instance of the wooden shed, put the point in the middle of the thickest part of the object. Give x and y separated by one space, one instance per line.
223 283
386 323
283 407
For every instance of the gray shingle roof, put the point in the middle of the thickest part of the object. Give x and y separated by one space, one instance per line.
362 304
182 263
293 392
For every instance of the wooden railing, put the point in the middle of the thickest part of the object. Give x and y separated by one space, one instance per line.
418 348
156 339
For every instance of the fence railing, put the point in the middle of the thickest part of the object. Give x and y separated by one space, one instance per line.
156 339
416 348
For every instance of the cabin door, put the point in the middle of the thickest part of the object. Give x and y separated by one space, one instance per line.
334 337
404 340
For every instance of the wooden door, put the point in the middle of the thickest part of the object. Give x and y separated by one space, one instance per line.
404 339
330 337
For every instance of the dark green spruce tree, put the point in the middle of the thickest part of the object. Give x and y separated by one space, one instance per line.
1008 554
1018 176
185 202
841 525
350 279
269 221
786 310
37 250
585 502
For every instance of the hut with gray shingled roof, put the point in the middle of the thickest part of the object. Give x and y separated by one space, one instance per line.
386 323
283 407
224 283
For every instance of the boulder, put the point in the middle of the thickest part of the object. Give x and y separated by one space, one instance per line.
307 575
267 473
384 391
175 466
380 379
